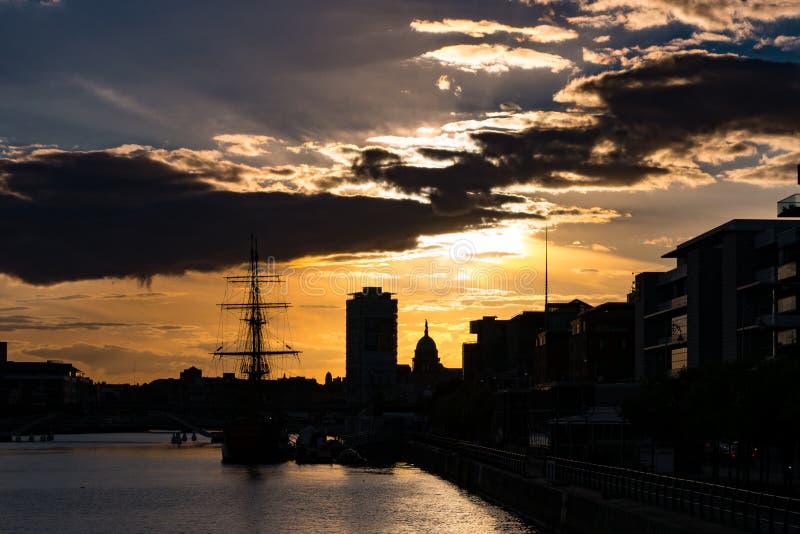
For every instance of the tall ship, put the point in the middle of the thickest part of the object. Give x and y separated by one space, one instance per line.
256 433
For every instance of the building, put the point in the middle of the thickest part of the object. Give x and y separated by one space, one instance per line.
522 350
487 357
426 355
371 331
601 347
40 387
427 367
551 349
732 296
790 206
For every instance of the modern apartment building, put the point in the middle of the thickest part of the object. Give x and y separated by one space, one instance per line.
732 296
371 358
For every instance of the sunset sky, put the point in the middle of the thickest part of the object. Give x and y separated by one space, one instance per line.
415 145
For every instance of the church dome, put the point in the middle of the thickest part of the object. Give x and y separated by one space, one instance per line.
426 343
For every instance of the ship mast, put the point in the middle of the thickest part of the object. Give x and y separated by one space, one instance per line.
254 349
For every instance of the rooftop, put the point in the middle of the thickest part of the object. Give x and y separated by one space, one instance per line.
736 225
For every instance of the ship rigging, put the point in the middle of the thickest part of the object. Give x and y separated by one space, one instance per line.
258 344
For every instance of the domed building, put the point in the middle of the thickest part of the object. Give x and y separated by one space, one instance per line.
426 355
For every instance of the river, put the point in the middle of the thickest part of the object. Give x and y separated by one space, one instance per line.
142 483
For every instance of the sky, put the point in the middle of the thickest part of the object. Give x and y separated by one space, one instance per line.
422 146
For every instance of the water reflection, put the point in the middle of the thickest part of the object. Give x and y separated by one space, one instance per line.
125 485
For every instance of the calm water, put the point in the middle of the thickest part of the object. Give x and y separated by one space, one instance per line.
141 483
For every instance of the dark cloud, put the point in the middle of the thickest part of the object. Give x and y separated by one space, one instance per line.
672 103
12 323
698 93
74 215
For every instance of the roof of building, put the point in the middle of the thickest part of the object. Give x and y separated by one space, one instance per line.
735 225
50 366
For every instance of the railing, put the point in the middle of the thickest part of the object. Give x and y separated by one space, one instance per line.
767 237
789 206
787 237
752 510
759 512
509 461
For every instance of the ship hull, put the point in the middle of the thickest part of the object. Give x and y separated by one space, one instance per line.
254 441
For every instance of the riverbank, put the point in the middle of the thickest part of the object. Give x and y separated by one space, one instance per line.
552 507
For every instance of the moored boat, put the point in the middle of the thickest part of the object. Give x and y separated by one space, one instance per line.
255 435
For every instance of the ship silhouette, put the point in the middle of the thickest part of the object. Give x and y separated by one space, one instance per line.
256 433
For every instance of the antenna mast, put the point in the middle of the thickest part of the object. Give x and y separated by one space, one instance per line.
546 280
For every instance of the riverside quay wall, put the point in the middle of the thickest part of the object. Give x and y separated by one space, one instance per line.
554 508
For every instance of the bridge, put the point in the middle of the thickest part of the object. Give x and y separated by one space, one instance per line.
28 428
215 437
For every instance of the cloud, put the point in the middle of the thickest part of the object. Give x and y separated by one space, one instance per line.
98 214
116 98
542 33
244 144
711 15
13 323
495 58
662 241
444 83
784 42
645 127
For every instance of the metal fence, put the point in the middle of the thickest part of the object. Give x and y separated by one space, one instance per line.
510 461
756 511
750 510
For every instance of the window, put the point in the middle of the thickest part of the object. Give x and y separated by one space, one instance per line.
678 328
787 270
787 337
679 359
787 304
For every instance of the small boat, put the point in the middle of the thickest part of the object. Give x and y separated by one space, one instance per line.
314 447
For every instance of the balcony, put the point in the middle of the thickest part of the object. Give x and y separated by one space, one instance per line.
767 237
668 305
765 276
772 322
787 237
661 342
789 206
670 276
